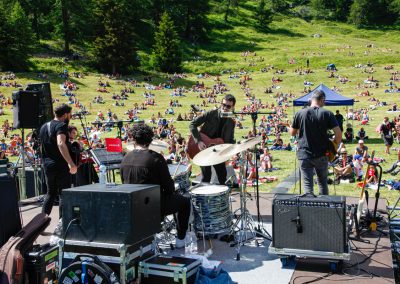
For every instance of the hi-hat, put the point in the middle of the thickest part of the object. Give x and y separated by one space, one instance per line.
158 146
214 155
246 144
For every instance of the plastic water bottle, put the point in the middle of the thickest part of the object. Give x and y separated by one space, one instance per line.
103 174
188 245
193 245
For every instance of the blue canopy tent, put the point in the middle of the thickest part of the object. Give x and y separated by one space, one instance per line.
332 98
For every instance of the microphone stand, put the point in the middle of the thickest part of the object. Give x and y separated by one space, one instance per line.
90 143
260 231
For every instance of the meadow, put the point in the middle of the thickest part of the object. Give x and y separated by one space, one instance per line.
287 45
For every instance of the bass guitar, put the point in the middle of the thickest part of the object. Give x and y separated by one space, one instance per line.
193 148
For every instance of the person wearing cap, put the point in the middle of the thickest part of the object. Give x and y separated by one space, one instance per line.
358 167
362 150
311 125
343 166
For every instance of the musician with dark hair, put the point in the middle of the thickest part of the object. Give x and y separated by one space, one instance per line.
57 162
144 166
311 125
214 125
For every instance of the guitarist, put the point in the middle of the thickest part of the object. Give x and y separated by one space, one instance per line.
214 125
311 125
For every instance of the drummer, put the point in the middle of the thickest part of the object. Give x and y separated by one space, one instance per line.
144 166
214 125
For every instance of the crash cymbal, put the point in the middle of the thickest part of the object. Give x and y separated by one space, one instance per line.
246 144
158 146
214 155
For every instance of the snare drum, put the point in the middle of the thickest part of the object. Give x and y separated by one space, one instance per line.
211 209
181 176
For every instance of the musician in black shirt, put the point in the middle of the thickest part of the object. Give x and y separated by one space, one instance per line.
57 161
144 166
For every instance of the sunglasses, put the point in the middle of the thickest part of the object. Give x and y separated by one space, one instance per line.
227 106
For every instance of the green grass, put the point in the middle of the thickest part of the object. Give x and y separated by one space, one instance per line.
287 38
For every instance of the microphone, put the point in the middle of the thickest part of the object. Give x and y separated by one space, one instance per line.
227 114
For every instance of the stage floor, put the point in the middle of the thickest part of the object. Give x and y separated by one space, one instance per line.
256 265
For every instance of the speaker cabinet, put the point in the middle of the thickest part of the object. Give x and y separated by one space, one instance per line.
122 214
321 224
45 101
26 109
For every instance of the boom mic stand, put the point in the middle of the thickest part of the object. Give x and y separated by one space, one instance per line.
260 231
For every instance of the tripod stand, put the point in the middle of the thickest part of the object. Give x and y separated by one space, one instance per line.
260 231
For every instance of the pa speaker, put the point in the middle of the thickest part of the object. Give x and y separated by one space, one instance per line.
26 109
45 101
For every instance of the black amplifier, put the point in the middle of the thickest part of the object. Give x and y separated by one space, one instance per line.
41 264
309 223
121 214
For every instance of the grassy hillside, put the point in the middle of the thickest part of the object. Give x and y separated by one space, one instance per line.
288 39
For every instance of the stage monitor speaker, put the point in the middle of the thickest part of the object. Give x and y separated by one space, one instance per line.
45 101
121 214
10 221
26 109
30 181
309 223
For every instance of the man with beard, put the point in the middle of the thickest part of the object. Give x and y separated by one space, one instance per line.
57 162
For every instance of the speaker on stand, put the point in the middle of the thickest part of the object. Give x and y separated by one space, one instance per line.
32 107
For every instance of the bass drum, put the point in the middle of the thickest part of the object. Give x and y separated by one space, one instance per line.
88 269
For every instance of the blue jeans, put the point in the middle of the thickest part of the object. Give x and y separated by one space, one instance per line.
319 166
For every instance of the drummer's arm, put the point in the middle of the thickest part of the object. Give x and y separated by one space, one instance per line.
166 183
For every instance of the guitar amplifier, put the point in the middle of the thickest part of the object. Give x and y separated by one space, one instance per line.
309 223
121 214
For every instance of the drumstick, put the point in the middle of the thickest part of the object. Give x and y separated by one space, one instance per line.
176 170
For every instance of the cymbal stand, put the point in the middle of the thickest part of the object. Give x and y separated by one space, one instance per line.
244 221
260 230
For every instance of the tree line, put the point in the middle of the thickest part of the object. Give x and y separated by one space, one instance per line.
112 31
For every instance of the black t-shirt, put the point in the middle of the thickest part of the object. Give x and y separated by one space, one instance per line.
52 158
313 124
147 167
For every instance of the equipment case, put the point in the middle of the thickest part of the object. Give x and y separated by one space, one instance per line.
41 264
162 269
121 258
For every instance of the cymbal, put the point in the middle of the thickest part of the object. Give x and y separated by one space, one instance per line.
246 144
158 146
214 155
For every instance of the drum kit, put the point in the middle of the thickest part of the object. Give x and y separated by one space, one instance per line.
212 213
211 203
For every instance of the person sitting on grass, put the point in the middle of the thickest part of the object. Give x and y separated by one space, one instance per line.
393 170
362 135
266 161
343 166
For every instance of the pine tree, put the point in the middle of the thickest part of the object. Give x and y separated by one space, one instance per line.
16 39
263 15
166 55
114 48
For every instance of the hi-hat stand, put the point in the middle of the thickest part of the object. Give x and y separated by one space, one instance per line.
260 230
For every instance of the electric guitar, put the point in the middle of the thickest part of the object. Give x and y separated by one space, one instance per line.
193 148
332 150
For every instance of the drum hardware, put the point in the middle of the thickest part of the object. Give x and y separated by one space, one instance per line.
259 229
